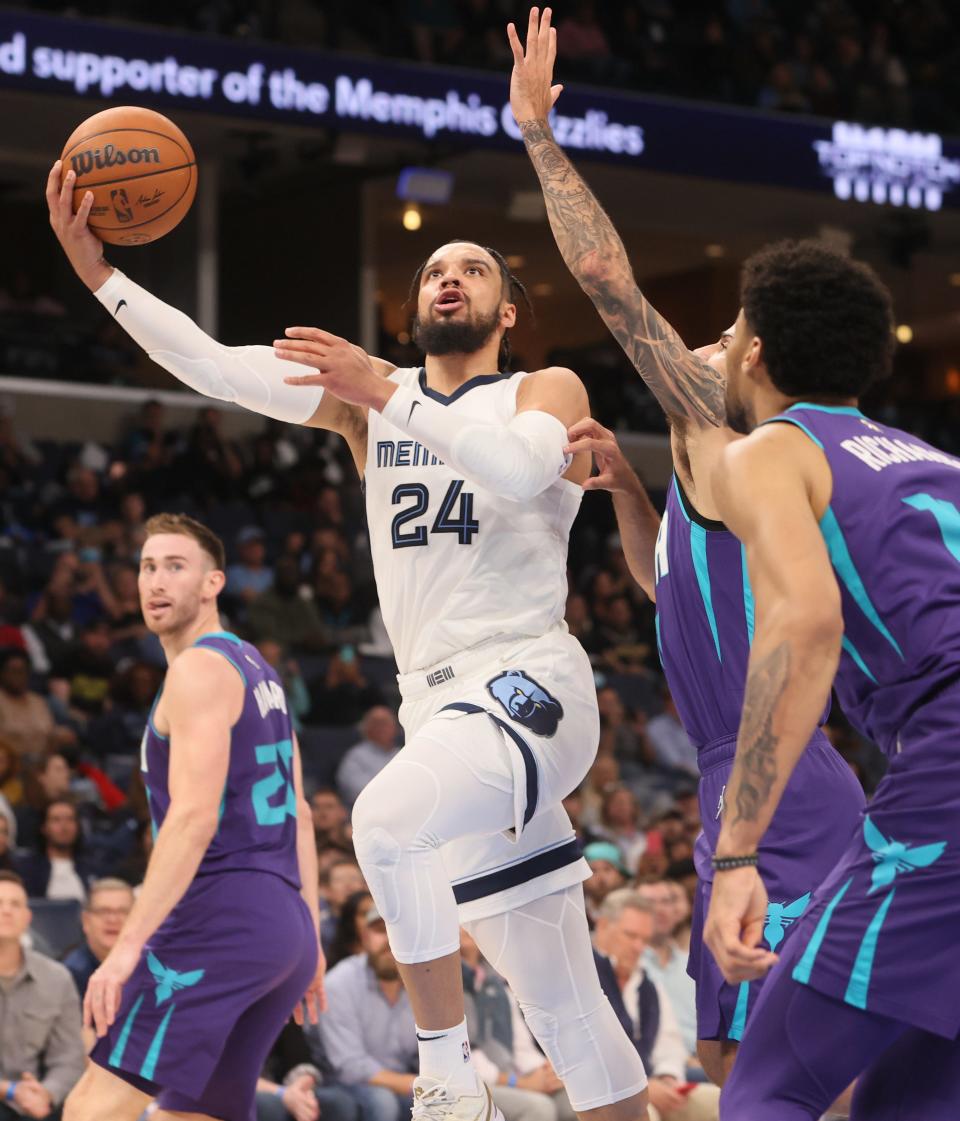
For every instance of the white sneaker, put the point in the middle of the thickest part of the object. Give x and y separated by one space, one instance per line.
436 1101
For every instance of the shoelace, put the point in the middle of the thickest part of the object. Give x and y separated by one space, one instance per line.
434 1104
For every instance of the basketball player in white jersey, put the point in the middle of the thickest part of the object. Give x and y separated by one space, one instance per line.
470 500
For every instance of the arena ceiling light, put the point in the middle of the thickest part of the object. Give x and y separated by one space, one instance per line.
425 184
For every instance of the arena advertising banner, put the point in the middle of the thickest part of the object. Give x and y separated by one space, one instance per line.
462 109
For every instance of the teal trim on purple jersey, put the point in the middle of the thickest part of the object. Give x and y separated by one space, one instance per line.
859 986
228 635
837 410
892 530
847 571
256 826
116 1055
705 619
854 653
153 1054
947 516
804 966
739 1021
748 607
698 550
785 417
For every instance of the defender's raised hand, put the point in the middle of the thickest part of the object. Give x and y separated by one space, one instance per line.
532 95
614 473
82 247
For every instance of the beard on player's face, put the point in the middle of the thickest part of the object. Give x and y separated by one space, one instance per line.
740 414
440 335
180 615
384 965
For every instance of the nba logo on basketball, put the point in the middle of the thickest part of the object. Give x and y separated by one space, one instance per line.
121 205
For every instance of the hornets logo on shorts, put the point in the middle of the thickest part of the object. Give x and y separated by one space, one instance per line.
526 702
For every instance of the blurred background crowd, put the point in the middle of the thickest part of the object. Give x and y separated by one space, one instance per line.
79 671
890 61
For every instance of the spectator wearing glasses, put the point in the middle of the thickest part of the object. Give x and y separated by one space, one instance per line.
665 961
103 917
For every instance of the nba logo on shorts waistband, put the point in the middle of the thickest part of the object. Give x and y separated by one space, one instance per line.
439 676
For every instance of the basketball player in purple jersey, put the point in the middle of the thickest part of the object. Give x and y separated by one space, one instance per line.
852 536
222 943
694 567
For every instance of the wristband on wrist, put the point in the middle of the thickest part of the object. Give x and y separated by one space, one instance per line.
11 1090
512 1080
728 863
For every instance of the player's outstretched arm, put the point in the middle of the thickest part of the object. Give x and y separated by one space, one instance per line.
762 488
685 386
202 700
637 520
516 460
251 376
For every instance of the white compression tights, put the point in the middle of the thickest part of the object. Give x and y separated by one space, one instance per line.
543 950
433 793
429 794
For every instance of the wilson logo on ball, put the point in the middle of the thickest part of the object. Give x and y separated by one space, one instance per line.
109 156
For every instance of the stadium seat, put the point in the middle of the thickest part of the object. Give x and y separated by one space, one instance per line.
321 749
57 921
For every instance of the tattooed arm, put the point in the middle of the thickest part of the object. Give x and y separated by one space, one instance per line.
770 489
688 389
763 488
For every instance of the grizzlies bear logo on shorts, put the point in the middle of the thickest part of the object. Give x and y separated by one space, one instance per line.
526 702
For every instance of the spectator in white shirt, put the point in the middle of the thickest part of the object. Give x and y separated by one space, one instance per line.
57 870
624 929
666 961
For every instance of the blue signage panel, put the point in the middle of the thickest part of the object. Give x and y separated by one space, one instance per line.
119 65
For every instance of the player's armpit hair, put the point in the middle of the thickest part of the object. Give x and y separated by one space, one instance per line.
251 376
592 250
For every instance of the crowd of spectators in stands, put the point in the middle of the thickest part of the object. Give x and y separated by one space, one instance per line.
78 674
884 62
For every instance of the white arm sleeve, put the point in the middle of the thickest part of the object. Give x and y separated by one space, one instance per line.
251 376
517 461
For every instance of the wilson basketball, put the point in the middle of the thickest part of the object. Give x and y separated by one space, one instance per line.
141 169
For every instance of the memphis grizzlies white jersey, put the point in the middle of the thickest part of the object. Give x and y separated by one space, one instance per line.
455 564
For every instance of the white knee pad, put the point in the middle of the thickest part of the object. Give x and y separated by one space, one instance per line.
378 854
399 854
589 1051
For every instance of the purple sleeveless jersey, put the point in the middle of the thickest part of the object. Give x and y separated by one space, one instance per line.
258 814
221 975
880 933
704 630
893 533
